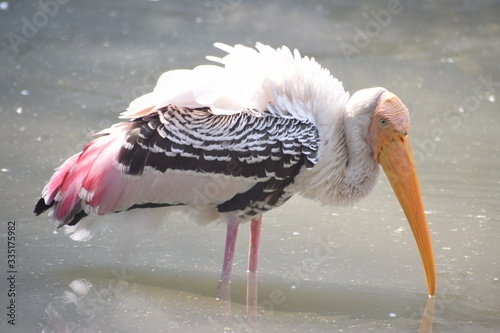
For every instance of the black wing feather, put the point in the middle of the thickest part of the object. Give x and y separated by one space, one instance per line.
262 147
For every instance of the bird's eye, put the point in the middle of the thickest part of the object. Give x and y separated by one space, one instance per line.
383 122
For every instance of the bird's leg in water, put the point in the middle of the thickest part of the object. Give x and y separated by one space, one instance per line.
253 251
231 234
252 275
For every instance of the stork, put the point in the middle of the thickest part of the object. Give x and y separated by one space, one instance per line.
231 141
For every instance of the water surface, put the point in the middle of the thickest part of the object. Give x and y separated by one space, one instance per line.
68 72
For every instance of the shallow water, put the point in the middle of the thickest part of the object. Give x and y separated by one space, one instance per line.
69 71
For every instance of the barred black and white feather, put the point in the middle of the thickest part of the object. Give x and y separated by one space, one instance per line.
248 144
232 141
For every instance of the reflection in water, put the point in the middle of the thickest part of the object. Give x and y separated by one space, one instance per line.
120 304
427 317
90 307
252 306
71 80
69 311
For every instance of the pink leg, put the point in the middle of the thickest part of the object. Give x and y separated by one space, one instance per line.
253 253
231 233
252 276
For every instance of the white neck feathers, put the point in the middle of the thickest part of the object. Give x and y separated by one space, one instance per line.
346 171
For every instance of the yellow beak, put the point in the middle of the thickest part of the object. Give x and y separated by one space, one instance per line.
396 159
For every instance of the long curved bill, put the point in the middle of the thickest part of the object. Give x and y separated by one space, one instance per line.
396 159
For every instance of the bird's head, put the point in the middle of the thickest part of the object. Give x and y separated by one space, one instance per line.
389 140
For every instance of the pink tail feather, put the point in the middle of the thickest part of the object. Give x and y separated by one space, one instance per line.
79 183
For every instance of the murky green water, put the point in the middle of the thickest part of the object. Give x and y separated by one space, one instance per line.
69 68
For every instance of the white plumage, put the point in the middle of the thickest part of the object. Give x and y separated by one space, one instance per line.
230 142
265 80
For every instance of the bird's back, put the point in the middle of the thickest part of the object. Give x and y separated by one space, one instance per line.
232 138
